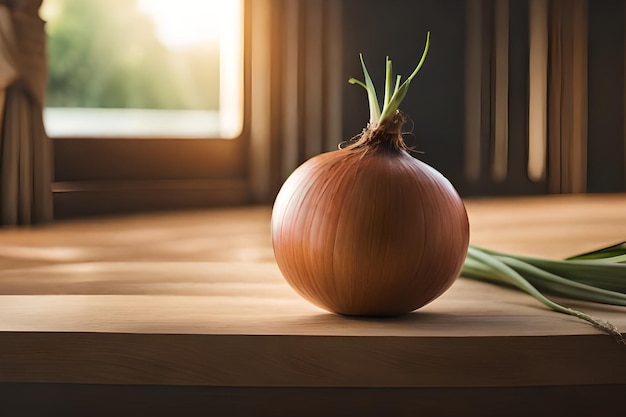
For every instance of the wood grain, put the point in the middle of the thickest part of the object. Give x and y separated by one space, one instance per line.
194 298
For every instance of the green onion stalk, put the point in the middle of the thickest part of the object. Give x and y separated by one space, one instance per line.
598 276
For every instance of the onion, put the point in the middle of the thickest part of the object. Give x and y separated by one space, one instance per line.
368 229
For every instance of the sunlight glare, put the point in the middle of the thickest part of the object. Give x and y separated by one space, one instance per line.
183 23
49 10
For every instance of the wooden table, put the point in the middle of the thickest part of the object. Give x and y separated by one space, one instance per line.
187 314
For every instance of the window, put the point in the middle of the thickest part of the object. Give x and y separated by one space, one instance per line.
144 68
175 134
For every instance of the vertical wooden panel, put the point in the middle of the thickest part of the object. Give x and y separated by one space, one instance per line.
567 117
291 86
538 89
333 74
487 105
501 110
519 63
578 178
566 97
260 97
274 165
554 97
313 77
473 88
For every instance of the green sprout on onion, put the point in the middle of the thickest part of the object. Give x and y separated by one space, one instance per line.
394 92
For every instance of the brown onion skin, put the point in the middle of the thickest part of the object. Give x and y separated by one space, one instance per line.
369 231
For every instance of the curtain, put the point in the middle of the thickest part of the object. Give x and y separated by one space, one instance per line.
25 150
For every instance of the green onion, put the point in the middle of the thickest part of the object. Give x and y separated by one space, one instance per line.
609 252
598 276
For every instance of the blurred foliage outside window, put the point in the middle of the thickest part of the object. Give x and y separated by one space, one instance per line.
133 54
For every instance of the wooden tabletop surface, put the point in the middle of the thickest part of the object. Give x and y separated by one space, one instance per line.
195 298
